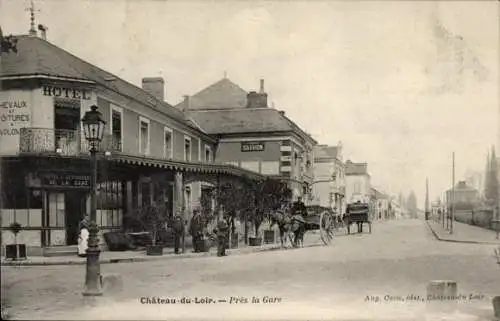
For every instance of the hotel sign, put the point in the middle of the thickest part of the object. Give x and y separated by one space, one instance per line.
61 92
252 147
64 180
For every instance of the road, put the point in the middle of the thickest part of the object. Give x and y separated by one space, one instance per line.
398 259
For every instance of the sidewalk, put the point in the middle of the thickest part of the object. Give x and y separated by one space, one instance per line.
132 256
107 257
463 233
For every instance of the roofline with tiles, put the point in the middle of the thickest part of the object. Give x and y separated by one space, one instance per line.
294 127
152 102
47 76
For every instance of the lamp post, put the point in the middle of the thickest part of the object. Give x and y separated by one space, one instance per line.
93 128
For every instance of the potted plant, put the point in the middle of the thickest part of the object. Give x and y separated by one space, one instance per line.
152 219
15 251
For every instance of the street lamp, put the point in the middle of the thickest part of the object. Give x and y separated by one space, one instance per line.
93 128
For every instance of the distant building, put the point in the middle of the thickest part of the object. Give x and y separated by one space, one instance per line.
357 182
329 177
252 135
382 205
463 196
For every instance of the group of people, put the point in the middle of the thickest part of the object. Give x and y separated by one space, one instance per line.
197 230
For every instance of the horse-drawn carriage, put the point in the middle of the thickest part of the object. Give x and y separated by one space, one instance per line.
358 213
293 226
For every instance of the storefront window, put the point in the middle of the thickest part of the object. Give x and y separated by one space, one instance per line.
110 203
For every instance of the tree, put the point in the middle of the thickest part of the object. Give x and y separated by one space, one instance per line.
411 204
270 194
253 200
486 176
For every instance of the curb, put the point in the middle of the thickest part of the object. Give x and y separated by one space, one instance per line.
146 258
436 235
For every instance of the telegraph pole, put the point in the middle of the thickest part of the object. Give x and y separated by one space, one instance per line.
452 194
427 214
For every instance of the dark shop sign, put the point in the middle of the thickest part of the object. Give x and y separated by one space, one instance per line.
64 180
252 147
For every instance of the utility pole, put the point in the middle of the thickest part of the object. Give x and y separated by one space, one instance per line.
452 194
427 214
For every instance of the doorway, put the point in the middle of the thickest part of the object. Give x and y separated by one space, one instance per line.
75 204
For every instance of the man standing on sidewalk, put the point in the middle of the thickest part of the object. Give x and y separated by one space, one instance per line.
196 230
222 231
178 228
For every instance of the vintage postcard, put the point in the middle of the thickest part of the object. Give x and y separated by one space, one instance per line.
249 160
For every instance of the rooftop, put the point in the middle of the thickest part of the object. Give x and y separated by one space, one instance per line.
224 94
221 108
231 121
37 57
356 168
326 152
462 186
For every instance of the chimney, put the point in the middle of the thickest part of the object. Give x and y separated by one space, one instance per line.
282 113
155 86
43 30
252 99
187 104
262 98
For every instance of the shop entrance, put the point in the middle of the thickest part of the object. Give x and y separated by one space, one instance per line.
75 209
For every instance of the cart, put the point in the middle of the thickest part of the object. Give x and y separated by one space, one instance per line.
358 213
322 219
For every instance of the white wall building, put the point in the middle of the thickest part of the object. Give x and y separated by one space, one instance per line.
328 189
357 182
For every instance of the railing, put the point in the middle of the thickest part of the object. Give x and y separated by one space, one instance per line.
60 141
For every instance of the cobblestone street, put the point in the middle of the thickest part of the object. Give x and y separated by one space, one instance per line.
317 282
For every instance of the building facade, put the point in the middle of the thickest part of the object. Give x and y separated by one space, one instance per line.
329 177
357 180
151 151
253 136
382 205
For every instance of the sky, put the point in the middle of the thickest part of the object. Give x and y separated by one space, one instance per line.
401 84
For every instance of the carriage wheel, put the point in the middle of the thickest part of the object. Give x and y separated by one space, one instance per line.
326 227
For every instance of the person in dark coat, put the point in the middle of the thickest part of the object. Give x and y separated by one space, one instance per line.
196 230
299 207
222 231
178 227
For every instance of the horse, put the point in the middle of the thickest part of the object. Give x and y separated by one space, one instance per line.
284 222
347 223
298 229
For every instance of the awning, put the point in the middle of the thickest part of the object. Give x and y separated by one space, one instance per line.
196 167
